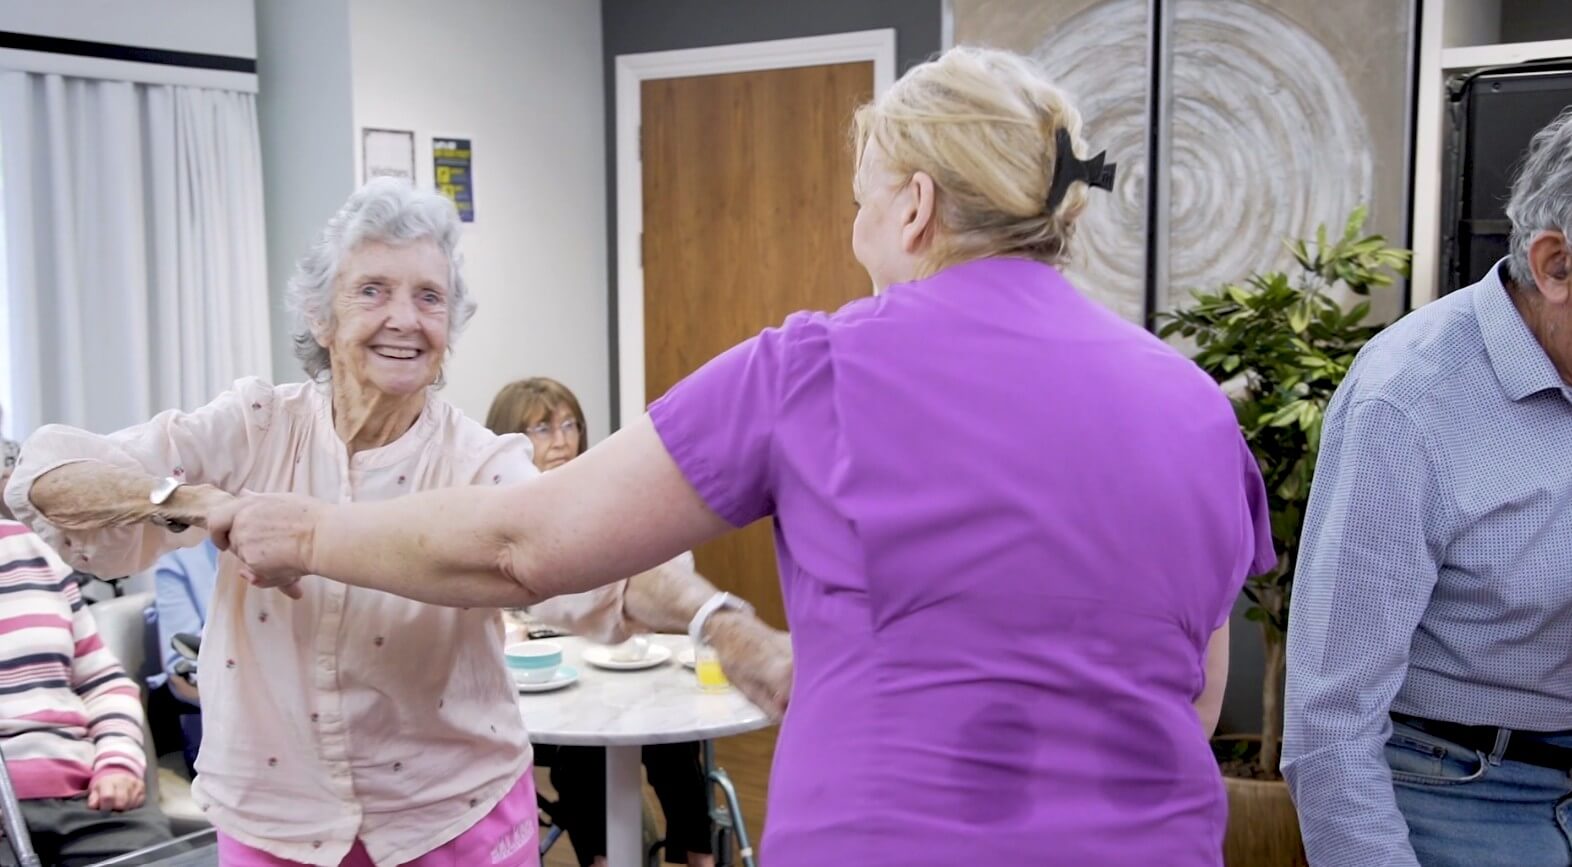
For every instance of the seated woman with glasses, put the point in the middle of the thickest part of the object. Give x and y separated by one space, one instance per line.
548 413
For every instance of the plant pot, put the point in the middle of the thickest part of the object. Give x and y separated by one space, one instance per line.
1263 829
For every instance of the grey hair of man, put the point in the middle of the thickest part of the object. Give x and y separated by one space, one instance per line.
1541 194
386 210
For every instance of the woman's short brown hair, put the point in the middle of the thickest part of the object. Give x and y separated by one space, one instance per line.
523 404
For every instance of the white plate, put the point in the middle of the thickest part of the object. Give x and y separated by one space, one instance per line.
565 675
600 657
687 658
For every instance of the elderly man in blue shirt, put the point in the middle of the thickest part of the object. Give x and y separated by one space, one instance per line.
1429 711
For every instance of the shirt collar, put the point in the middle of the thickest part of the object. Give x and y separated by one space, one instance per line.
1521 365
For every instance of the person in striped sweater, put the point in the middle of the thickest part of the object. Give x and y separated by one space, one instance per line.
70 717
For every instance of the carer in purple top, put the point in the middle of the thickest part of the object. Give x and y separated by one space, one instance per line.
1010 525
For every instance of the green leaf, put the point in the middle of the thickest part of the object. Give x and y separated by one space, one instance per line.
1299 319
1356 221
1309 417
1285 417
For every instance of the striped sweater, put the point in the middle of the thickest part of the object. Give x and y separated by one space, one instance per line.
68 712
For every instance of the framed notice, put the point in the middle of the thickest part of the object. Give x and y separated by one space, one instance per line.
451 168
387 152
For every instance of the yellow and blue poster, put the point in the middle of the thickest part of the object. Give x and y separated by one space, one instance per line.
451 162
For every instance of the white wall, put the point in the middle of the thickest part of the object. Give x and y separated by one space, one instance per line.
203 26
305 115
522 78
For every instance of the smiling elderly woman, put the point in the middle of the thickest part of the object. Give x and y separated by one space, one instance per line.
349 726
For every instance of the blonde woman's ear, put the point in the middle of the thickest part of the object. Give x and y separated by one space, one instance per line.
920 213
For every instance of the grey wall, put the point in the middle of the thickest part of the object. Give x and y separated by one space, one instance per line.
637 26
1534 20
305 114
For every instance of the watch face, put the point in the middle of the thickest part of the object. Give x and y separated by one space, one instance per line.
162 490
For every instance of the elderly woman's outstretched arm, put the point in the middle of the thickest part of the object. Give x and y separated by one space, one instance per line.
87 494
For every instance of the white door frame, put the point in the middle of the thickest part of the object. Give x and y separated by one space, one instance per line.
877 46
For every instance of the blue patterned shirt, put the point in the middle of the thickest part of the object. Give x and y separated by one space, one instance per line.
1435 577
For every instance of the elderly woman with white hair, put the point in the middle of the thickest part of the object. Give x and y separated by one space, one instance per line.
346 725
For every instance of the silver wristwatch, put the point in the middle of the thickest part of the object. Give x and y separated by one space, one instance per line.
159 496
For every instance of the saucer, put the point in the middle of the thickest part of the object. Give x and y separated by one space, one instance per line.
600 657
565 675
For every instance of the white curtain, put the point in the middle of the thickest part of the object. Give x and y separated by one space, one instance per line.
135 267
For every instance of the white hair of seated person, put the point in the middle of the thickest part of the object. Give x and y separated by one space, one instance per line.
1541 195
388 210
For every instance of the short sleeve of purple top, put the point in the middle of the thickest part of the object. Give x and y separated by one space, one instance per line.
1007 523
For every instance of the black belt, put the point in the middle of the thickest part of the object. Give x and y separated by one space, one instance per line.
1522 746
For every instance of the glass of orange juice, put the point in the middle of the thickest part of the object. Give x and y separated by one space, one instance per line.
707 667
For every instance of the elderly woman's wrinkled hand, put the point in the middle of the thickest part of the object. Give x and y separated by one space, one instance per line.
757 660
271 534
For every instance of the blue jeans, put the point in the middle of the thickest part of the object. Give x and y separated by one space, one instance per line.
1466 808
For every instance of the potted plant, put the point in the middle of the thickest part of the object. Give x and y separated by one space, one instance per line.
1281 343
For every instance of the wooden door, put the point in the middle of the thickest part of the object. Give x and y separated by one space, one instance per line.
747 218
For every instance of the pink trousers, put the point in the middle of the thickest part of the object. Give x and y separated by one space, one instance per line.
506 837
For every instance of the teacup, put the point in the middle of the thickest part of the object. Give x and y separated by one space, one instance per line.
534 661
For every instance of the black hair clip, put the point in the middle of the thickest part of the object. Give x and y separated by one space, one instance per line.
1069 168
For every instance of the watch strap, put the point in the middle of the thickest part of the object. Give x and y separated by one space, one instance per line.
711 605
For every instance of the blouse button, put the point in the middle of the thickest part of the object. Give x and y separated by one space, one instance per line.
315 717
474 801
401 479
229 663
398 766
379 641
316 844
272 762
255 405
262 617
496 480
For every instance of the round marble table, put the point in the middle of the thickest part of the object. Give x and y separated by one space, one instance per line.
624 710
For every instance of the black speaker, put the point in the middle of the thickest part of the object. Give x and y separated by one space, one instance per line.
1493 116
